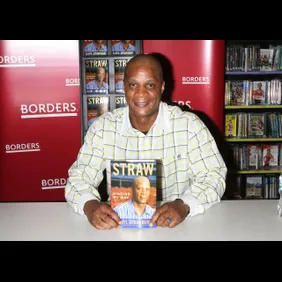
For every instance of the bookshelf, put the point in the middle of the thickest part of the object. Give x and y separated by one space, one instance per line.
107 97
95 103
252 120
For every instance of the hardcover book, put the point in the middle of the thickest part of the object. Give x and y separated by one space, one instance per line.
97 106
133 191
120 101
95 48
119 74
97 76
123 47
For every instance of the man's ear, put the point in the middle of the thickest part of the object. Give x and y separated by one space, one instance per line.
163 87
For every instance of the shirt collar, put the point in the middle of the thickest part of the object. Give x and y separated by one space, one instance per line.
161 122
146 211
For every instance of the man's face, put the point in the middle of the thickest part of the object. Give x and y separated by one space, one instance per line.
100 74
143 89
141 192
103 109
119 76
99 41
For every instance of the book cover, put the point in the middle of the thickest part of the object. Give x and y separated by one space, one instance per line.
270 155
119 74
133 191
97 106
123 47
231 125
254 187
97 76
266 59
237 92
256 125
120 101
95 48
259 92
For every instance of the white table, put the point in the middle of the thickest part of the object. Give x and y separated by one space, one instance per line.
228 221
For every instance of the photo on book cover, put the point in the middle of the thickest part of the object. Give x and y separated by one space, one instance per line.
133 191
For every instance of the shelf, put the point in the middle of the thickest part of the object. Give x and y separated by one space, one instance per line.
265 139
258 171
253 72
254 107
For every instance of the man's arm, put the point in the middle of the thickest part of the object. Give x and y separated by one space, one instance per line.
207 167
86 173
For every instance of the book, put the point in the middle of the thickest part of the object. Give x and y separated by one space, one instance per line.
259 92
120 101
231 125
254 187
95 48
97 106
119 74
97 76
123 47
256 125
133 191
266 59
270 155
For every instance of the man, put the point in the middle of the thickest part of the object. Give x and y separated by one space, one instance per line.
123 46
137 207
98 84
96 47
193 171
119 86
102 109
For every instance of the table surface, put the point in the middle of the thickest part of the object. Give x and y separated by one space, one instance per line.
251 220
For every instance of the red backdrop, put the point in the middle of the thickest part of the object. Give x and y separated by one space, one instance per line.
40 117
198 73
40 113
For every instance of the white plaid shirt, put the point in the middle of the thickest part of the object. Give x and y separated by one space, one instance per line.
190 165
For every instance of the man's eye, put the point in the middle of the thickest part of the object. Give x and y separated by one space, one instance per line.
132 84
150 85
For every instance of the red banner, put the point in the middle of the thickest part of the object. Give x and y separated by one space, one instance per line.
197 67
40 117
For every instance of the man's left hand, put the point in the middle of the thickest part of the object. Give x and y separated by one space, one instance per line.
170 214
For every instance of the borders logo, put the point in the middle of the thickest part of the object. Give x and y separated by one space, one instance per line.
48 110
17 61
22 148
55 183
195 80
72 81
182 103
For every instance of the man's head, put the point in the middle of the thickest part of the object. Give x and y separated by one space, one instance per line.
103 108
143 85
100 74
141 190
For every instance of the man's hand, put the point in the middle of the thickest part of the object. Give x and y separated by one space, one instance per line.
170 214
101 215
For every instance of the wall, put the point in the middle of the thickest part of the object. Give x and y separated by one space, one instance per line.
40 117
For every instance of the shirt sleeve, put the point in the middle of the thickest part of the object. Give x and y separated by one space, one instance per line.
86 173
207 168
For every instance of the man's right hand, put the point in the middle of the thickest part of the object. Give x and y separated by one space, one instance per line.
101 215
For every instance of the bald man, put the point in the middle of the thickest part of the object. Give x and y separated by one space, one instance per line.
192 171
98 85
137 207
